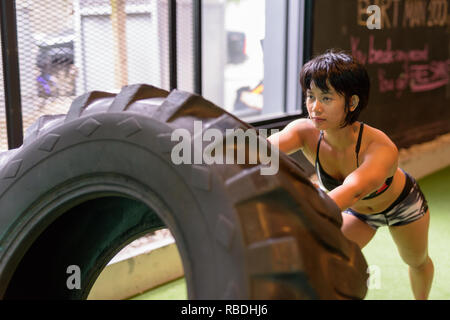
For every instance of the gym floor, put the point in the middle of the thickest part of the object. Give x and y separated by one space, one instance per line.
389 274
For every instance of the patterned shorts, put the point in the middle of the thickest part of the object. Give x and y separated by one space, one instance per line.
410 206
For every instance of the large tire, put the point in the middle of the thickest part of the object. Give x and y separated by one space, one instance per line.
85 184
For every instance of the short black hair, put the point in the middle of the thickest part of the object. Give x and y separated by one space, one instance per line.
347 76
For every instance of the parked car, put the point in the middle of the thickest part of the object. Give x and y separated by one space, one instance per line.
236 43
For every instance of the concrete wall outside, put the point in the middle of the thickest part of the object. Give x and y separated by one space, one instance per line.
136 274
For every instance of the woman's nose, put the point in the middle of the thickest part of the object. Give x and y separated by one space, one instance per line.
316 106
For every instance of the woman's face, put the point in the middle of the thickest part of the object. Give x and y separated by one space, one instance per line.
326 109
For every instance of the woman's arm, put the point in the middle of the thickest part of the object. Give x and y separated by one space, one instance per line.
291 138
371 174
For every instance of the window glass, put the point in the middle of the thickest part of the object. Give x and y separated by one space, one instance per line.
69 47
233 68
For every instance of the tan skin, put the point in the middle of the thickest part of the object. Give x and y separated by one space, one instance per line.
378 160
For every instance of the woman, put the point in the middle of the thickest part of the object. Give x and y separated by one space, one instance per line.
357 163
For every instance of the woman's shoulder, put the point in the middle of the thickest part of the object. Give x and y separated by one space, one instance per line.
294 136
303 127
376 138
302 123
308 133
307 125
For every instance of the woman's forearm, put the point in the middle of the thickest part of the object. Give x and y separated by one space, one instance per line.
344 196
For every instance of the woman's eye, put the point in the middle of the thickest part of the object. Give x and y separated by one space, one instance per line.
327 99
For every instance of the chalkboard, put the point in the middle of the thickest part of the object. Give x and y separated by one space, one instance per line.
408 60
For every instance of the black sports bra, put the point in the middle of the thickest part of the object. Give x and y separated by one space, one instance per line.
329 183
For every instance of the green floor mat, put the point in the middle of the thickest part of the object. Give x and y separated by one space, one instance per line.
382 255
174 290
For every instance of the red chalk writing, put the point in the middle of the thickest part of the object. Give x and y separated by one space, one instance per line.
419 77
387 55
418 74
429 76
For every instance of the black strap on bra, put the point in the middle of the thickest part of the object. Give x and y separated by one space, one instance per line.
358 143
318 146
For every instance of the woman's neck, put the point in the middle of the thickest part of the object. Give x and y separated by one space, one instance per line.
342 138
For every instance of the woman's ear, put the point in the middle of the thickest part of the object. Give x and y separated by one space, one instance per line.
354 101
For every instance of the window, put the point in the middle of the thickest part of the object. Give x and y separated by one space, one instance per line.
251 52
69 47
252 56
